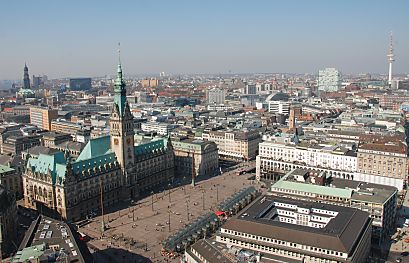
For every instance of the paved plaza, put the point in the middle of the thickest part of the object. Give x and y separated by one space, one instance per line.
141 228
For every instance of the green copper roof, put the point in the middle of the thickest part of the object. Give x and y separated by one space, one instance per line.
315 189
29 253
54 163
5 169
80 166
95 147
146 148
120 91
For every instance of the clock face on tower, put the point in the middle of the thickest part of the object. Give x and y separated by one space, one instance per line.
116 141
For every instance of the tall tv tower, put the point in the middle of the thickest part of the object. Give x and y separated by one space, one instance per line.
391 59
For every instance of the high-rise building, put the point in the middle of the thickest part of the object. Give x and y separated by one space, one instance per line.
80 84
42 117
37 81
216 96
329 80
250 89
26 79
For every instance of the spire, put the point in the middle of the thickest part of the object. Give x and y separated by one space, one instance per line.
26 78
119 86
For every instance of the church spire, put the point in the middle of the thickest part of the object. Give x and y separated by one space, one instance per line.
119 86
26 78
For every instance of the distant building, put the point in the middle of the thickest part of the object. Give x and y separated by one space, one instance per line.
390 101
150 83
8 222
42 117
26 79
80 84
216 96
51 139
160 127
329 80
280 107
65 127
37 81
206 158
250 89
15 144
25 92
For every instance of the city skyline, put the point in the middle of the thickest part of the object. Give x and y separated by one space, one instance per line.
191 37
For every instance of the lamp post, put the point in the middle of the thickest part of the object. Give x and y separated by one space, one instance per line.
187 210
203 198
152 199
169 218
102 208
169 193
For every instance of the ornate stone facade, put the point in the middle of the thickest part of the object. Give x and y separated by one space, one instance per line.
111 166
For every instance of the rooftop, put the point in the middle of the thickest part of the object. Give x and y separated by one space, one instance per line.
49 238
340 234
337 187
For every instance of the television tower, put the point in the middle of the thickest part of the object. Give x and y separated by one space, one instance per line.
391 59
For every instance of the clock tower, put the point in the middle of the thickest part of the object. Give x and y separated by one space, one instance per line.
121 126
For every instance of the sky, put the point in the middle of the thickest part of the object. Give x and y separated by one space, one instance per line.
79 38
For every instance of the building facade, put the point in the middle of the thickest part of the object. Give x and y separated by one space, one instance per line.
80 84
15 144
235 145
329 80
379 201
42 117
159 127
202 155
113 166
389 160
279 106
11 180
8 222
216 96
65 127
293 231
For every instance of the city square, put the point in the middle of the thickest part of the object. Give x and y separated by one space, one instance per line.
141 228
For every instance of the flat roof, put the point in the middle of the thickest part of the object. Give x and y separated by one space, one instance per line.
344 188
340 234
51 233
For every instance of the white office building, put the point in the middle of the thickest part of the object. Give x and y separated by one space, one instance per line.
279 107
329 80
216 96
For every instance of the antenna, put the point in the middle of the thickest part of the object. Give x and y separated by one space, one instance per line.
391 59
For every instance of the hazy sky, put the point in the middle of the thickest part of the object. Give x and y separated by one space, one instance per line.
79 38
